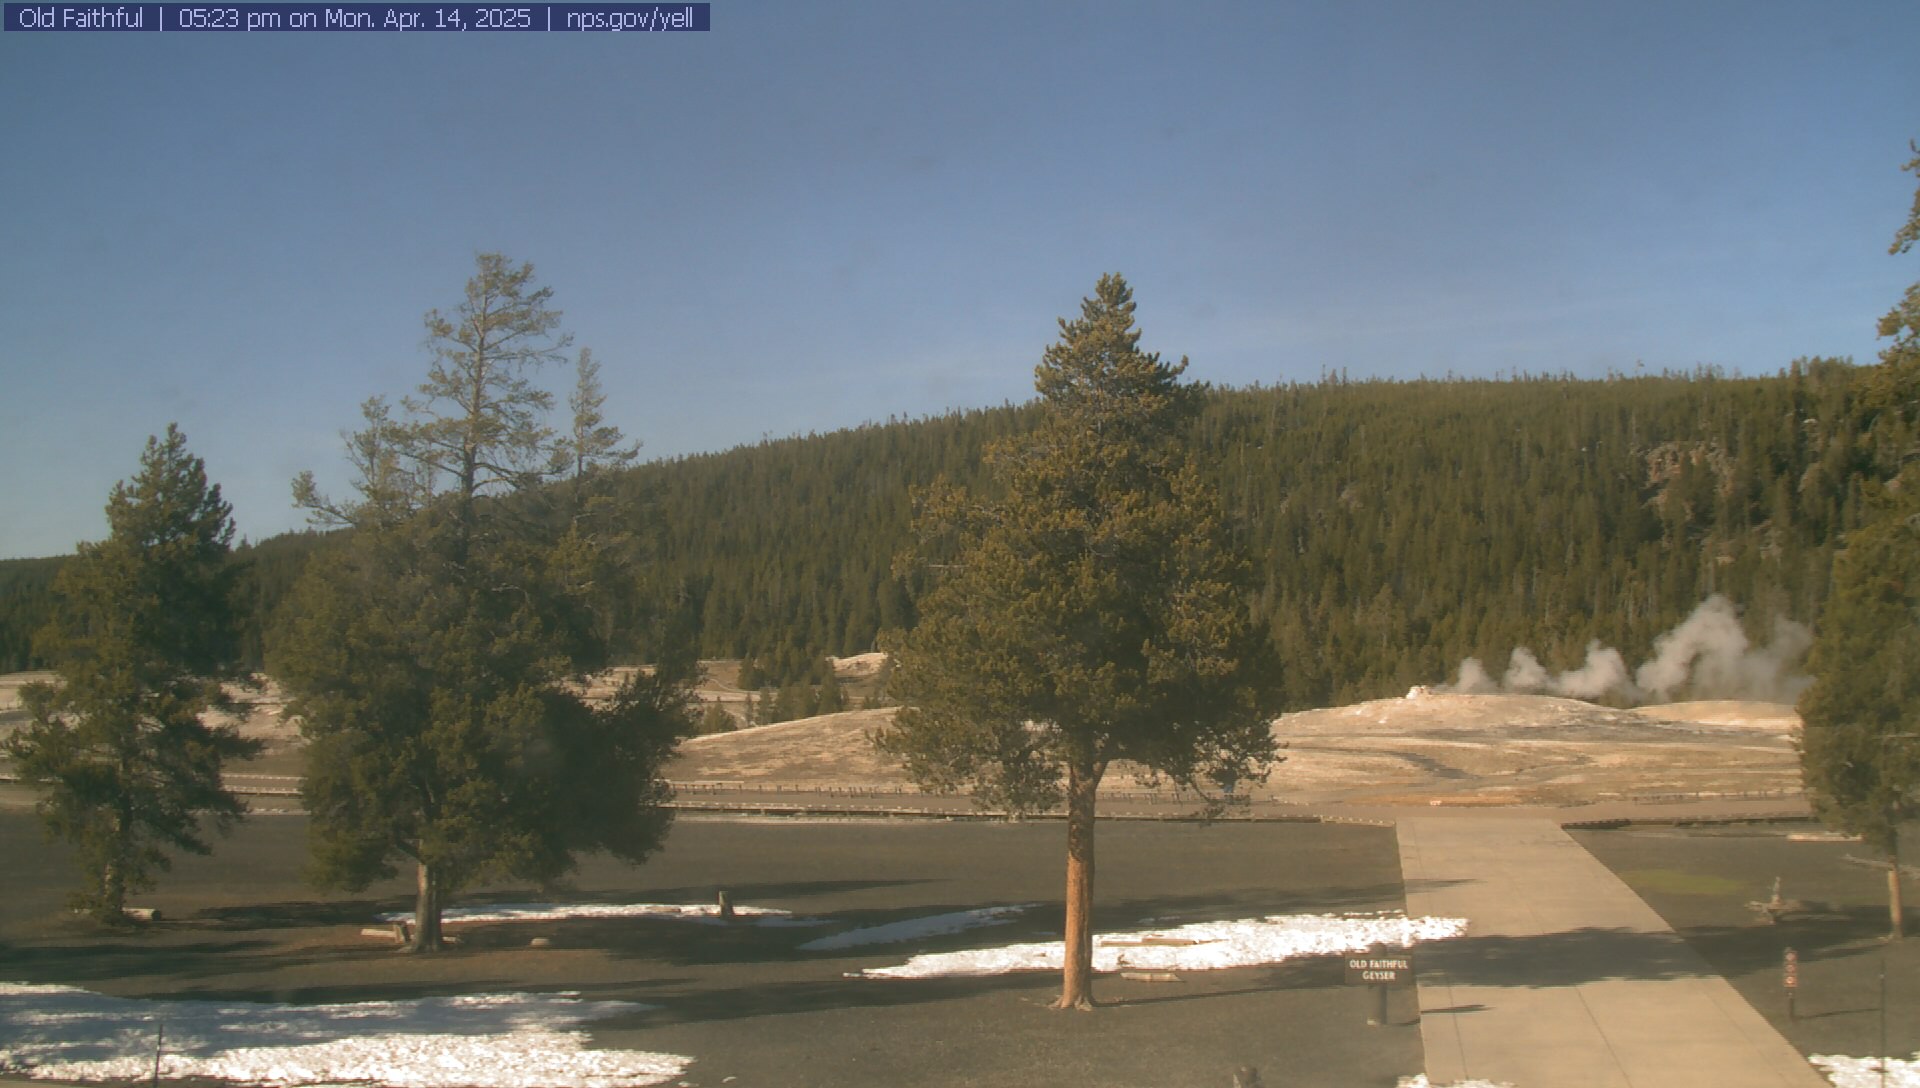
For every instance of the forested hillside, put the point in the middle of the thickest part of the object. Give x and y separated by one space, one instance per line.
269 570
1395 527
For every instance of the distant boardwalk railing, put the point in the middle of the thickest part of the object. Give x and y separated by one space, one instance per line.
817 789
286 785
1709 795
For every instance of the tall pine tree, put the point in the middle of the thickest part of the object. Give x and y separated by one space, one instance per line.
1860 748
143 636
436 660
1091 610
1860 745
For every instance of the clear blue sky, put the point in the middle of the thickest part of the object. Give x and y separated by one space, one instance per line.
820 214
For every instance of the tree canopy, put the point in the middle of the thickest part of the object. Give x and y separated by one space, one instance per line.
1860 745
142 636
1092 608
437 657
1860 748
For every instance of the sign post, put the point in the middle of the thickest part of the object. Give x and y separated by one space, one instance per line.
1379 971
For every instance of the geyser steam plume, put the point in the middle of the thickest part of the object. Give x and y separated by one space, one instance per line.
1706 657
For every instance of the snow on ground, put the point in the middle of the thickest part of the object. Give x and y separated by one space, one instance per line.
1202 946
1847 1072
1421 1081
471 1041
550 912
913 929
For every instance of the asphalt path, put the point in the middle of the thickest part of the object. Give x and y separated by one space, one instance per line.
1566 977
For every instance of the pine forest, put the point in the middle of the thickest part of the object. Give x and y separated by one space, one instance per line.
1396 527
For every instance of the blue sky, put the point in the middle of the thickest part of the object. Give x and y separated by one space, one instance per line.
822 214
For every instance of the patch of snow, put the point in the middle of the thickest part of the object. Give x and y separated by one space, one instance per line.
550 912
470 1041
1421 1081
1847 1072
913 929
1201 946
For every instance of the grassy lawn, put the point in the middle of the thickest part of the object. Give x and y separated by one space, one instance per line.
1701 880
745 1002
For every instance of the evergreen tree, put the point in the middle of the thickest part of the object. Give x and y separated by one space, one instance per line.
830 698
26 605
1091 611
592 443
435 660
144 633
715 719
1860 746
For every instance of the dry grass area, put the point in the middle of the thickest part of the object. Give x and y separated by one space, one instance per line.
830 750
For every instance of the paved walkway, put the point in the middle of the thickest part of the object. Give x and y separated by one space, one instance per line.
1566 978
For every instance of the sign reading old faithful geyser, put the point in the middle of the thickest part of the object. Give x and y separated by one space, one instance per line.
1379 970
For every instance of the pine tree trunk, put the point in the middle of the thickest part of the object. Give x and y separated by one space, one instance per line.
1895 907
113 893
1083 784
112 906
426 913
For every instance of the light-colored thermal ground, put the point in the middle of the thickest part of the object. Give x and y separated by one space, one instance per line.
1490 749
1424 747
1536 748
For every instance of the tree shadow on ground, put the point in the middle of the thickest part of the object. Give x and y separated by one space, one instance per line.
820 995
1303 973
95 961
1429 884
1598 954
1171 910
295 914
685 943
1567 958
304 913
1817 932
698 1005
343 993
748 892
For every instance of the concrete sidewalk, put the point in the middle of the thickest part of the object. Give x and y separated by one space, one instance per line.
1566 979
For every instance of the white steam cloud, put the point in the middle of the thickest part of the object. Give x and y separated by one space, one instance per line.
1707 657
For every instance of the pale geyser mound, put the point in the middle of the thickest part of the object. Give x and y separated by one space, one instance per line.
471 1041
1437 748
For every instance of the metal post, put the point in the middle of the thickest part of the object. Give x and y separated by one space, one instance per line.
159 1042
1791 980
1883 1018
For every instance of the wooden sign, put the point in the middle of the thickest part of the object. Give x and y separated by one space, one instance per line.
1376 969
